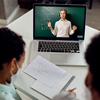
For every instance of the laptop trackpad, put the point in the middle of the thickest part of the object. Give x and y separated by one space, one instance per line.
58 58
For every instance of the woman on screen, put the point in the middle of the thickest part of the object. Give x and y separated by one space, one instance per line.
63 26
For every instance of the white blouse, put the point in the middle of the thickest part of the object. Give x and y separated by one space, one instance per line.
62 29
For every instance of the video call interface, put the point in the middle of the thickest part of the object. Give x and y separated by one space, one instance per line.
59 22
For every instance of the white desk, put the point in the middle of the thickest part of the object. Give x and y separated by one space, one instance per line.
24 27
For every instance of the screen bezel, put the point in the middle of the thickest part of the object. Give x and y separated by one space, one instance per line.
58 38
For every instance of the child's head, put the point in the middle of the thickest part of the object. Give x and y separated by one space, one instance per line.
11 52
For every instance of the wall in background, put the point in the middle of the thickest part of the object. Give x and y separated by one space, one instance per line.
7 7
10 6
2 10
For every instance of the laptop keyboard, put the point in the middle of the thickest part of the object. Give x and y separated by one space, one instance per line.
63 47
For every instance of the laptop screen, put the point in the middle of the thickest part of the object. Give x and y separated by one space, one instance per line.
59 22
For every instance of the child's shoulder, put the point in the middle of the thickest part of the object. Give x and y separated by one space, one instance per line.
6 96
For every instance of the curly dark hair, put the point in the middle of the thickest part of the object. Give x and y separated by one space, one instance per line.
92 55
11 46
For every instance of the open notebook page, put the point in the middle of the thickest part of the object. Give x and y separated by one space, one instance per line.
51 92
80 88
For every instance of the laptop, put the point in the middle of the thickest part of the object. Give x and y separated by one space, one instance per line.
64 43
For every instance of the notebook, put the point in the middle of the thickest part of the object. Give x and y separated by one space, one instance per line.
64 84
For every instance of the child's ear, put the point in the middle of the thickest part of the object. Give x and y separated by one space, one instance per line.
12 65
88 80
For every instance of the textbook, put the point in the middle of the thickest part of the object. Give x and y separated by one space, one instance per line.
68 81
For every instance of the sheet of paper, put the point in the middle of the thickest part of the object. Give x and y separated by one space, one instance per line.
80 88
45 71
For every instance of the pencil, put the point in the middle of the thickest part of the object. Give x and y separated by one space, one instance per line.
72 90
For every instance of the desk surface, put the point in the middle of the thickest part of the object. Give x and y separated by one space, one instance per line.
24 27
